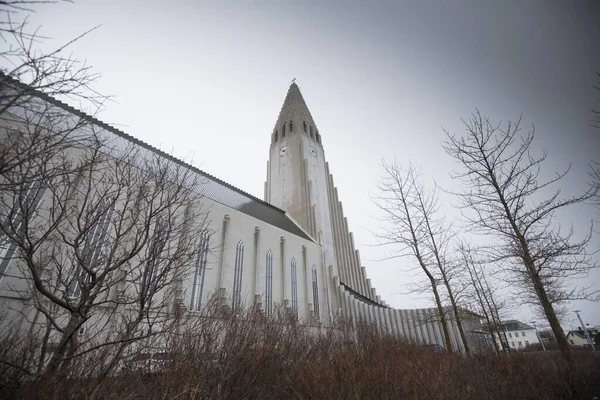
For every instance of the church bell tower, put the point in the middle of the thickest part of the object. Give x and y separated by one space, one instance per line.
300 183
297 173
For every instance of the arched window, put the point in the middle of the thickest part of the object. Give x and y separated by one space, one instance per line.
294 288
237 276
315 288
200 271
269 284
283 131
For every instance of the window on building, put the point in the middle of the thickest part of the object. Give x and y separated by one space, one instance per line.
294 279
200 271
516 334
310 129
291 126
520 344
318 137
237 276
276 136
304 125
315 287
269 284
571 340
509 334
523 334
283 130
512 344
23 208
526 343
93 244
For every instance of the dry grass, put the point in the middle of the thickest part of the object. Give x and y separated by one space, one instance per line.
251 357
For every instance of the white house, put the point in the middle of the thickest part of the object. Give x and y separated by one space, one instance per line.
519 335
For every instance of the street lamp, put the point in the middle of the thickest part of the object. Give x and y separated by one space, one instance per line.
538 335
585 330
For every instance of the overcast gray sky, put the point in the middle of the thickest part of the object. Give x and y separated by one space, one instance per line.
206 80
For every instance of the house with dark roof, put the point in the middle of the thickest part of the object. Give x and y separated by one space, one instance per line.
578 337
518 335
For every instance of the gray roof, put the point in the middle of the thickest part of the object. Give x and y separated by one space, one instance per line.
514 325
213 188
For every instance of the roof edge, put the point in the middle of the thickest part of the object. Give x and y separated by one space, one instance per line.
133 139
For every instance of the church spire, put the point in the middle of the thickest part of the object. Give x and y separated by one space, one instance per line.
294 117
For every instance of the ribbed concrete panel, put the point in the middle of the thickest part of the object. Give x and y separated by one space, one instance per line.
425 326
414 322
383 315
342 268
346 305
393 322
439 334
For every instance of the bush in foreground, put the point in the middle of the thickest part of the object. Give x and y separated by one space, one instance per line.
253 357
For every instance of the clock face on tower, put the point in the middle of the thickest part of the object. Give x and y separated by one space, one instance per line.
313 152
283 151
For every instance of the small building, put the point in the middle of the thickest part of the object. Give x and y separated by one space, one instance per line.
519 336
578 338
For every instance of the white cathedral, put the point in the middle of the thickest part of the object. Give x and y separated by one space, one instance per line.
293 248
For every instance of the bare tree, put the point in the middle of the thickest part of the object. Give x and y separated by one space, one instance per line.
406 227
101 250
483 294
503 196
25 71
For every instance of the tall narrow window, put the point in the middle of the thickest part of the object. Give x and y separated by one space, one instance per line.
315 288
291 126
152 275
22 211
269 284
200 272
237 276
276 135
294 288
283 131
304 125
94 241
311 131
318 137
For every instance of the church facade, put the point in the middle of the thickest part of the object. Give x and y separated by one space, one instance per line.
292 249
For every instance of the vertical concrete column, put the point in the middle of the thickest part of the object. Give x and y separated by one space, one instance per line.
406 325
415 329
366 283
222 248
340 233
336 240
439 336
310 301
256 287
388 322
395 322
355 311
348 251
334 303
267 185
285 273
